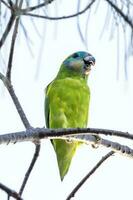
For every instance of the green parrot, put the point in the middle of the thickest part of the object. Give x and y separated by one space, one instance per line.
67 103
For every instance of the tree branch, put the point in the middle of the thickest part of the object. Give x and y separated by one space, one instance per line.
44 133
14 36
35 134
29 9
104 158
10 192
10 2
119 11
32 164
5 4
19 108
7 30
62 17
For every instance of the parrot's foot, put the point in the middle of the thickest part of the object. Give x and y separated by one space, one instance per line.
96 144
69 140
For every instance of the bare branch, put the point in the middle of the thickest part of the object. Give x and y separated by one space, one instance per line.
32 164
5 4
7 30
27 37
29 9
10 2
78 25
104 158
35 134
119 11
14 36
117 147
10 192
62 17
44 133
19 108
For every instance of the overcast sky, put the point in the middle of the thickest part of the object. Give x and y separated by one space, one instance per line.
110 107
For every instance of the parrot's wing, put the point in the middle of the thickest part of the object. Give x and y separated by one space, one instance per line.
64 149
47 106
47 111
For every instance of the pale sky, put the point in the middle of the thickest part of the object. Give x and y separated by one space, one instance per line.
110 107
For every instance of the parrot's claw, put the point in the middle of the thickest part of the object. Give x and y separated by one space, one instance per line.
97 143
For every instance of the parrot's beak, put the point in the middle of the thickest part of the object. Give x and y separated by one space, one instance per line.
88 61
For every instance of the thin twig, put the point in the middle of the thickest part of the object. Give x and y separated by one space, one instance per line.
29 9
7 30
62 17
5 4
19 108
10 2
10 192
72 194
14 36
34 159
78 25
119 11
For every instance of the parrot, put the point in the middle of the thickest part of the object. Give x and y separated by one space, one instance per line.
67 100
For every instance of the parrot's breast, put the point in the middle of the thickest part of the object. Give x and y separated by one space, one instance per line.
69 102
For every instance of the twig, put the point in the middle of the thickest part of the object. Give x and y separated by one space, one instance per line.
10 192
78 25
117 147
5 4
7 30
29 9
34 159
19 108
72 194
119 11
62 17
10 2
14 36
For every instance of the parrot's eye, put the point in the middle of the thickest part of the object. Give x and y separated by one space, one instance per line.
75 55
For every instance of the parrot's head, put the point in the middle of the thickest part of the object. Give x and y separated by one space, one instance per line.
78 64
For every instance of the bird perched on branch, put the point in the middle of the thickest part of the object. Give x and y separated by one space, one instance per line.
67 103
